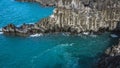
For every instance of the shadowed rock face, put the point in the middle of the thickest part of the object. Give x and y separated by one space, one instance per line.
110 62
78 16
111 59
23 30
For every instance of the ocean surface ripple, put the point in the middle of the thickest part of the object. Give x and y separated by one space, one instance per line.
45 51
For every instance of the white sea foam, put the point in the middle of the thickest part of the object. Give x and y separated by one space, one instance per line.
71 44
36 35
1 31
31 23
55 10
67 44
54 48
52 16
114 35
85 33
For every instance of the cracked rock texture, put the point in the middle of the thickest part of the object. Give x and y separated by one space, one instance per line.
85 15
78 16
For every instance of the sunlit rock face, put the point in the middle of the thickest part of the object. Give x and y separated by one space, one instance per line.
77 16
87 15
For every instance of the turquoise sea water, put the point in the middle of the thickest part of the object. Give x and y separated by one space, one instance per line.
51 51
47 51
17 12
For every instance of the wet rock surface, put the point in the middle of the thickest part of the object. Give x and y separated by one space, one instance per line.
24 29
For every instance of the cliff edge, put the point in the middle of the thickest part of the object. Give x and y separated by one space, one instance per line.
76 16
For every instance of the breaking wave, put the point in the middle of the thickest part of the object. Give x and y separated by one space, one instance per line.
36 35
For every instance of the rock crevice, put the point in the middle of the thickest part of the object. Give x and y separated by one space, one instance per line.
76 16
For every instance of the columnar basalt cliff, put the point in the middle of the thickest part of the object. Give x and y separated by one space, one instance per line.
87 15
77 16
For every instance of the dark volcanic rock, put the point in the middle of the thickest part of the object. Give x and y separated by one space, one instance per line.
78 16
109 62
111 59
9 28
23 30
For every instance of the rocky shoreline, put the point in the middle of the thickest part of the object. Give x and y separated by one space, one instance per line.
74 16
111 58
77 16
